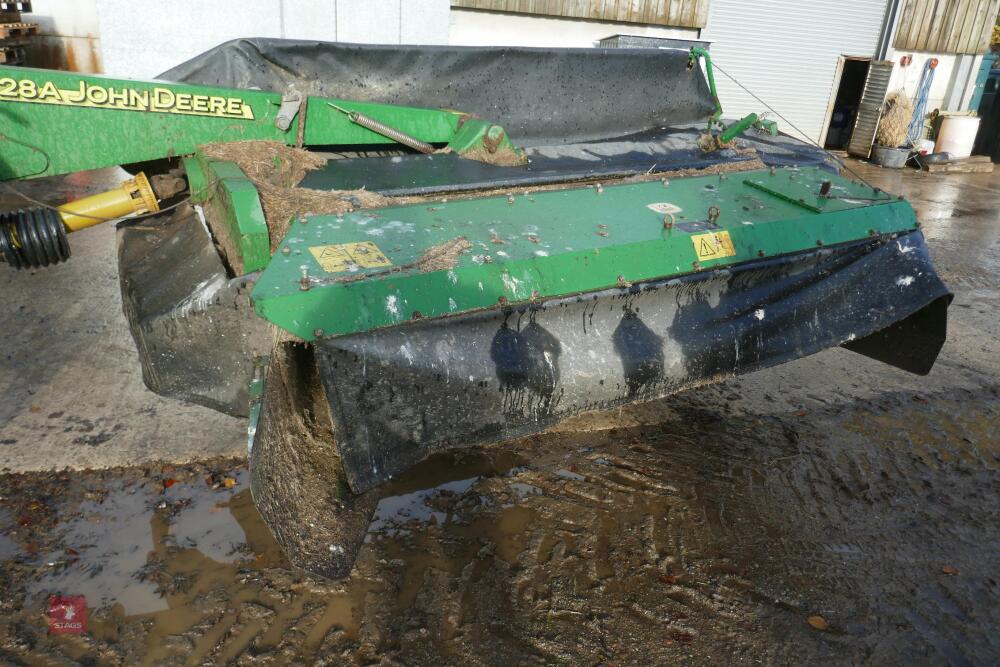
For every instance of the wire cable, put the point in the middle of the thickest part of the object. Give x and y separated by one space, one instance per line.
48 163
93 217
48 160
792 125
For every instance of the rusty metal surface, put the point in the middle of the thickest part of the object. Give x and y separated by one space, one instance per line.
946 26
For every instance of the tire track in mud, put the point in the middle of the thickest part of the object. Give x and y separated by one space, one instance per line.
709 537
852 528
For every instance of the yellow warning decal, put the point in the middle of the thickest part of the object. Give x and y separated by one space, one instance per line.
124 98
713 246
349 256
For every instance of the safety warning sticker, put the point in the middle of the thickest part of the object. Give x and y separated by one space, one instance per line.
349 257
713 246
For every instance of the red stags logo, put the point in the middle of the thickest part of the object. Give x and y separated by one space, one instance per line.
67 615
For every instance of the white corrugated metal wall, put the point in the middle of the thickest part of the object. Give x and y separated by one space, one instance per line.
786 52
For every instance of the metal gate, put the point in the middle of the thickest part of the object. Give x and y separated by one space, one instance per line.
870 109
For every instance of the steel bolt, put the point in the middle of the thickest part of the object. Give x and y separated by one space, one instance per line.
819 242
416 315
599 188
318 333
665 182
761 253
304 280
695 265
510 199
668 221
286 251
502 301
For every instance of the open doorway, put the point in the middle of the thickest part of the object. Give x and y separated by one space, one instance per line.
852 73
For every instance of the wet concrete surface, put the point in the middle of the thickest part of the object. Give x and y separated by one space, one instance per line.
832 510
71 390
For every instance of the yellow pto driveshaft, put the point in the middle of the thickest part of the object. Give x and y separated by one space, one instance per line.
34 238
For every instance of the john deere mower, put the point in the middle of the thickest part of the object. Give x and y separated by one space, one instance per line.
379 253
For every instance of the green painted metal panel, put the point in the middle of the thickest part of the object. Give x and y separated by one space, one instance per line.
60 122
197 178
326 126
236 203
985 67
556 243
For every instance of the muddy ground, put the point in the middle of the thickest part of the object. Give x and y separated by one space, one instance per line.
833 510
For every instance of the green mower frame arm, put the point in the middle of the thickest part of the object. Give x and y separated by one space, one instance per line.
699 53
727 132
54 122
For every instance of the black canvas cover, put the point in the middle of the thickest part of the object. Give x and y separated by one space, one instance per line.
541 96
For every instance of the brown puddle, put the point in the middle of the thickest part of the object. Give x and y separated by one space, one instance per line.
712 534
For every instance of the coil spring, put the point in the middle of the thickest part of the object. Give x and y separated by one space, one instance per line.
390 132
33 238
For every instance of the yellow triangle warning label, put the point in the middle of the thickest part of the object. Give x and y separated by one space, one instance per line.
713 246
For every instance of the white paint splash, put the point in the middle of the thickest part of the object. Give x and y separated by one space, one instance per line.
759 314
904 249
393 225
905 281
510 283
201 216
392 305
407 352
201 297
